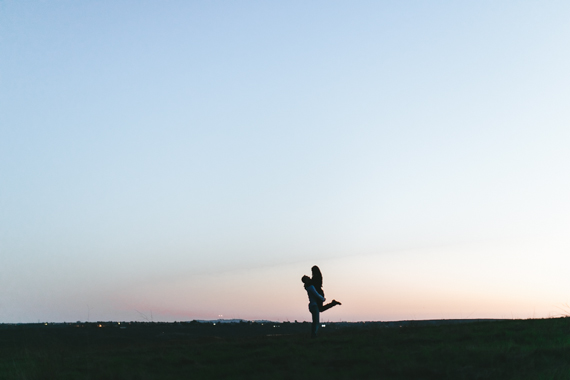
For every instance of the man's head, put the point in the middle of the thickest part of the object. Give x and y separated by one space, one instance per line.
306 280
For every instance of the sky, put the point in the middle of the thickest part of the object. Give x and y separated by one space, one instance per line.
181 160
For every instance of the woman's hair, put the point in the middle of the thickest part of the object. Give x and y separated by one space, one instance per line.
317 278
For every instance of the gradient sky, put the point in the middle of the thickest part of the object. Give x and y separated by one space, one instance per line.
179 160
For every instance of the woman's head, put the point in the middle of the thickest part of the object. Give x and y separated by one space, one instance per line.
317 276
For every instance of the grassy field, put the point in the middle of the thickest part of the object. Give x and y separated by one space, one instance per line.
510 349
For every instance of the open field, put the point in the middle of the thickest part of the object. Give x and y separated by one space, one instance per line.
501 349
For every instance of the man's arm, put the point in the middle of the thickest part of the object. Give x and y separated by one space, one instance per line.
312 291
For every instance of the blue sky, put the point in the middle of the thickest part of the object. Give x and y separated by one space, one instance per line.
152 146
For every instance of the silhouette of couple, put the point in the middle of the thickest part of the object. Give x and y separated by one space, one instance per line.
314 287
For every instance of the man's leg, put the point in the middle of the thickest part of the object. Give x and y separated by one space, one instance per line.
315 325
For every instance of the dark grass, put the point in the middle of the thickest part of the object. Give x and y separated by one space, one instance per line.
513 349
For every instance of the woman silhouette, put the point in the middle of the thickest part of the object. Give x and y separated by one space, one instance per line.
317 282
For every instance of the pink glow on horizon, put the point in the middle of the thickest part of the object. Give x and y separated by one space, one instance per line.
415 285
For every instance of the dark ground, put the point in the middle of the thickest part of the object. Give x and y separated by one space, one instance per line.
452 349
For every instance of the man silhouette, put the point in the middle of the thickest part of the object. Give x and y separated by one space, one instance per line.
314 300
